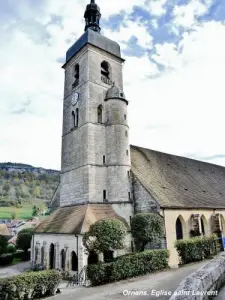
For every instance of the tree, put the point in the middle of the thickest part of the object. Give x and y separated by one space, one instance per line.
24 238
145 228
35 211
6 188
3 244
105 235
13 215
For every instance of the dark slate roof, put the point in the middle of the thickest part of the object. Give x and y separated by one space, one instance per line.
94 38
179 182
77 219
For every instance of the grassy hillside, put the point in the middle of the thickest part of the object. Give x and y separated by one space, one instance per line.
22 187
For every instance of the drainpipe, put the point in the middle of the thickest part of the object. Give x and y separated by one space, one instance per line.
77 256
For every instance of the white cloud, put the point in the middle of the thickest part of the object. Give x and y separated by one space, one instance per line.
187 103
179 112
185 15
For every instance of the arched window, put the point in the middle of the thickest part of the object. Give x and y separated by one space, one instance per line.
74 261
76 75
42 255
92 258
108 256
77 118
203 225
73 119
52 256
105 69
179 229
100 114
63 259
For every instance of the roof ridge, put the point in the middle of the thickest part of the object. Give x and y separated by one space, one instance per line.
139 148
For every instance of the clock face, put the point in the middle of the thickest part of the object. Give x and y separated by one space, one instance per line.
75 98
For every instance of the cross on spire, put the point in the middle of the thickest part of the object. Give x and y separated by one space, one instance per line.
92 16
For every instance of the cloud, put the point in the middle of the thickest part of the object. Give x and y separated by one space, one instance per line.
175 88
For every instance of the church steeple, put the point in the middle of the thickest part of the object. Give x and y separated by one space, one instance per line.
92 16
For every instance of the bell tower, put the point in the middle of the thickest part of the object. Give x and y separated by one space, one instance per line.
95 165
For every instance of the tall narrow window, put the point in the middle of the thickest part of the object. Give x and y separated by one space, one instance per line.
77 118
76 75
73 119
126 133
100 114
128 174
127 152
105 69
129 195
104 195
103 159
125 117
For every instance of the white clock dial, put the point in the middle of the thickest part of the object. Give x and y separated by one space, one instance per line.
75 98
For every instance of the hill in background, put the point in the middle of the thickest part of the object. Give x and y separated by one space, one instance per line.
22 187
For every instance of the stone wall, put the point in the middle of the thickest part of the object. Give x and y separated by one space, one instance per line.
143 201
202 284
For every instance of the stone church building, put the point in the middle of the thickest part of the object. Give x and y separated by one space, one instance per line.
103 176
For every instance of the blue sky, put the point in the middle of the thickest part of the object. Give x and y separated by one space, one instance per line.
173 75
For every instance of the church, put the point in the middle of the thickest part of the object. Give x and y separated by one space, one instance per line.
103 176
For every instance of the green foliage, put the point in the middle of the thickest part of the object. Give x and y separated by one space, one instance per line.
32 285
11 249
196 249
35 211
3 244
145 228
6 259
105 235
25 189
128 266
24 239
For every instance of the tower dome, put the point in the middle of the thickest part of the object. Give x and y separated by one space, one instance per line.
115 93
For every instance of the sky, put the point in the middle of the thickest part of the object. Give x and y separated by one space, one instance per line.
174 74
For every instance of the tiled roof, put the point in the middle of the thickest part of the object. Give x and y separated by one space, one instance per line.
4 230
175 181
76 219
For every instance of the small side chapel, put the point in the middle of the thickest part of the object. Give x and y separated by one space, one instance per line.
103 176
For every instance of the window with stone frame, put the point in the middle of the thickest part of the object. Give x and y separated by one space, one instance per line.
76 75
100 114
77 118
73 120
105 69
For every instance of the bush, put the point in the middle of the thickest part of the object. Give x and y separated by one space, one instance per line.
11 249
105 235
128 266
6 259
147 228
196 249
24 238
31 285
3 244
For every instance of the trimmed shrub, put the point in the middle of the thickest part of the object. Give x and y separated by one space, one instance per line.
3 244
128 266
104 235
11 249
6 259
196 249
31 285
147 228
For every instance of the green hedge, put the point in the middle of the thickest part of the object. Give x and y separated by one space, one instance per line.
128 266
6 259
196 249
31 285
